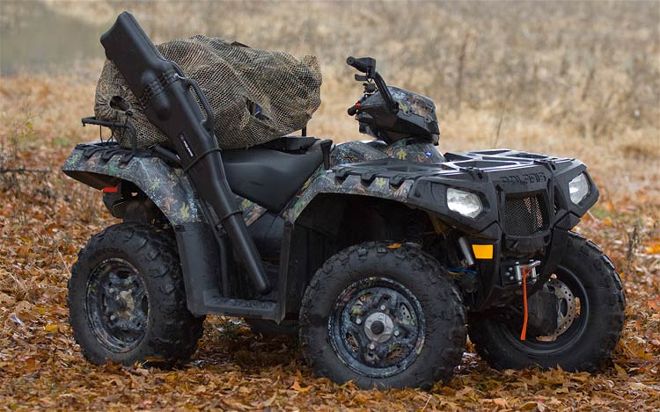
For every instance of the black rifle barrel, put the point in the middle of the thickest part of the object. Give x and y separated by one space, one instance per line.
167 99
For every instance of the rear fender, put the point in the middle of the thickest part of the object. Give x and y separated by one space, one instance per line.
168 187
101 166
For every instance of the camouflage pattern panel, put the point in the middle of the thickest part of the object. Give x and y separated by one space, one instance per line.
168 187
326 181
410 102
404 149
354 152
251 211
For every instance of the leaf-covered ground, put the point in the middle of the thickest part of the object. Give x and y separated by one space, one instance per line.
45 218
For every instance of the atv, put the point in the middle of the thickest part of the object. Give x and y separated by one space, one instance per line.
382 255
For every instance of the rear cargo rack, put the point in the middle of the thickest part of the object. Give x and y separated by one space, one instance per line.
105 123
114 126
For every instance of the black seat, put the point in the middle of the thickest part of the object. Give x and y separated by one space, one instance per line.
270 177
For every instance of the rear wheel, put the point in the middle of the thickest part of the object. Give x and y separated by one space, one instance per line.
127 300
382 316
590 313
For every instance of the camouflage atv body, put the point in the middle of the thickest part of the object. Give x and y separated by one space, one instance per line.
381 255
171 191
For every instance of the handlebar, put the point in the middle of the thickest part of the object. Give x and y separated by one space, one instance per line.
366 65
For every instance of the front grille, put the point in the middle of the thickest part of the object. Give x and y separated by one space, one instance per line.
524 216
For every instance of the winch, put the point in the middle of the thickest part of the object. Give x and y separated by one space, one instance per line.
514 273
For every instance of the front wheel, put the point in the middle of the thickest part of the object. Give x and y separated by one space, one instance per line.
590 313
382 316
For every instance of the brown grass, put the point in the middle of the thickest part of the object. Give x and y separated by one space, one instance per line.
573 79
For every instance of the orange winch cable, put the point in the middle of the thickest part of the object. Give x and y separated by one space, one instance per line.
523 333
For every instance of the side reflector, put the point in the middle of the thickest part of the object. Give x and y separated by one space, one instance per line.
110 189
483 251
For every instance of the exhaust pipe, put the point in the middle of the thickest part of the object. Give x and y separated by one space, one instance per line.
167 100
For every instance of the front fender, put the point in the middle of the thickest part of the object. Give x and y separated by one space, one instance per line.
99 166
327 181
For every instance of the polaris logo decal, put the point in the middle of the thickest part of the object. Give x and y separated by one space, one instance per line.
524 179
182 137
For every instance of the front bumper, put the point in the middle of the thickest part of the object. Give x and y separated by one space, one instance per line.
500 175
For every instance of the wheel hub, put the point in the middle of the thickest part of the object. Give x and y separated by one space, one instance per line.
117 305
379 327
127 301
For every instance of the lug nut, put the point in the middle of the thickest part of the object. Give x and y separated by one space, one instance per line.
397 333
382 307
358 321
372 346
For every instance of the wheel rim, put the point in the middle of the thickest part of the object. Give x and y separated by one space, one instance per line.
572 317
117 305
377 327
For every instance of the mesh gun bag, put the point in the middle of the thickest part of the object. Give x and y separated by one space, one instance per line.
256 95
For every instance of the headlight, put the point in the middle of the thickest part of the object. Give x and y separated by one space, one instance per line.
466 203
578 188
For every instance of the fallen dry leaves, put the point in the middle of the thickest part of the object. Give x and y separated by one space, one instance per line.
46 218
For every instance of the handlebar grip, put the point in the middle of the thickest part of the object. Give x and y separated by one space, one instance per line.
352 110
364 64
